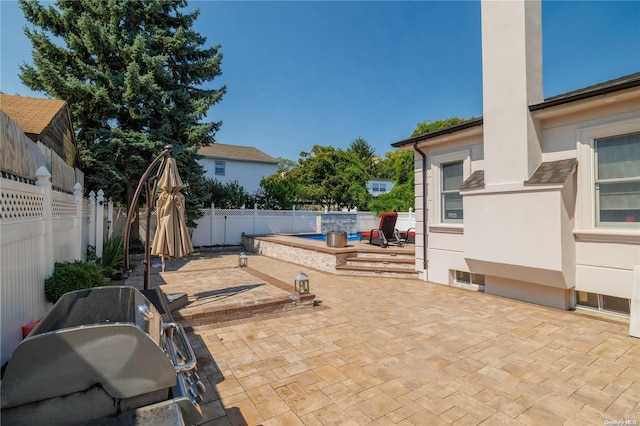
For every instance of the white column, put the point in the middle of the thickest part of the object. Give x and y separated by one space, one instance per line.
99 222
44 183
634 319
77 196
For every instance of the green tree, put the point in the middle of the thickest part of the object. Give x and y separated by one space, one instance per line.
278 191
332 177
399 199
132 75
431 126
230 195
397 166
365 152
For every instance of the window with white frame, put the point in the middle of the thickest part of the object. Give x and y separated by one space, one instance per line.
219 168
379 187
617 180
451 200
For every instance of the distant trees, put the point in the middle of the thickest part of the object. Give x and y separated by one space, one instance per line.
431 126
330 176
399 167
278 191
230 195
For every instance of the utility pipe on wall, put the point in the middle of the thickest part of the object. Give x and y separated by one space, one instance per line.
424 206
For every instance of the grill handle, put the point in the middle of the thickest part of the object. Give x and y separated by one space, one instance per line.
190 363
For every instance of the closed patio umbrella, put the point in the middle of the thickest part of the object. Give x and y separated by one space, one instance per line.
171 240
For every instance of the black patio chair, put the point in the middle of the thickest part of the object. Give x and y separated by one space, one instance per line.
386 232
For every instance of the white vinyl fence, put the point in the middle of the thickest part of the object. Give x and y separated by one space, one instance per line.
38 226
226 226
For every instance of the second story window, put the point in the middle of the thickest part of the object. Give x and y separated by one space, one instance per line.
379 187
219 168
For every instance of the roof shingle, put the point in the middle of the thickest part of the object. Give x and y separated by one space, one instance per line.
236 152
553 172
33 115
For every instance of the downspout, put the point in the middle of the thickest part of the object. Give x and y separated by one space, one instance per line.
424 206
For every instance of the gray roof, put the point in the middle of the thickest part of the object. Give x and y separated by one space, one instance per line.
553 172
618 84
547 173
236 152
475 181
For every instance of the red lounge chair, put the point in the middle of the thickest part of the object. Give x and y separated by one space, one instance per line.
385 233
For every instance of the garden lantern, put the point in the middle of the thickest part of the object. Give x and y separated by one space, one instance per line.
302 283
242 260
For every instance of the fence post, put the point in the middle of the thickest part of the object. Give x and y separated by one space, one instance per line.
99 222
77 196
213 214
110 223
293 219
255 216
44 183
92 219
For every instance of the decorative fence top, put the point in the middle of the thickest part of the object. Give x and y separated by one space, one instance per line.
20 202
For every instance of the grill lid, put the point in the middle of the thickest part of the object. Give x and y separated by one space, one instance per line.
107 335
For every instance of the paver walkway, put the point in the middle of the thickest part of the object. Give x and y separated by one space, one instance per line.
383 351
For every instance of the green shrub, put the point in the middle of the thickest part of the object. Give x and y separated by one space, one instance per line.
70 276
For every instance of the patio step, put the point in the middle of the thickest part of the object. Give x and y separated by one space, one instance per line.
371 264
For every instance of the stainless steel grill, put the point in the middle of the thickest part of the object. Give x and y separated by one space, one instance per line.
98 354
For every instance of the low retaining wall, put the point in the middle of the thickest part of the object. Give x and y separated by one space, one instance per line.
320 260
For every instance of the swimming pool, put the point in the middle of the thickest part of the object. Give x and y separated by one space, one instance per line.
323 237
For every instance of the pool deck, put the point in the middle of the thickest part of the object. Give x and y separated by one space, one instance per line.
389 351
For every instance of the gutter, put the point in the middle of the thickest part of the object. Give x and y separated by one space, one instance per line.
586 94
424 205
451 129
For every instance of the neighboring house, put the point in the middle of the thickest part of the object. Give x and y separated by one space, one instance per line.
245 164
539 200
48 124
379 186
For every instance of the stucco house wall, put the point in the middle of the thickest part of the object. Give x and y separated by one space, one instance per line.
528 195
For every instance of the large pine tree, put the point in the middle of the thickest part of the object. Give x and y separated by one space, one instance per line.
132 74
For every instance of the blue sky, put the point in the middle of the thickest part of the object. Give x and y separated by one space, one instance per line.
326 72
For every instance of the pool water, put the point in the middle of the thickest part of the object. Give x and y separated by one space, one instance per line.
323 237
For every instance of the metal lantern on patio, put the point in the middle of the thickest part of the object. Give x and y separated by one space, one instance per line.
242 260
301 283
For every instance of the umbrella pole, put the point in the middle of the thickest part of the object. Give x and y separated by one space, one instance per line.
133 207
147 237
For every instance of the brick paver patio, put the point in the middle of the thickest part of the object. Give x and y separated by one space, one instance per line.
382 351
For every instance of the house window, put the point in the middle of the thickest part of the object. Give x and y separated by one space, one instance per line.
451 205
617 180
379 187
219 168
